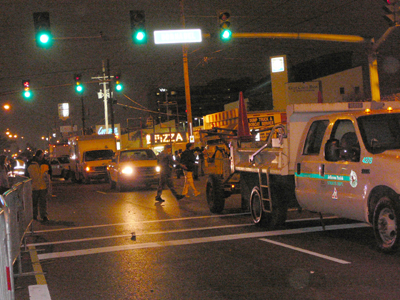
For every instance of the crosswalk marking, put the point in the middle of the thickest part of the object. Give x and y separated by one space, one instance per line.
192 241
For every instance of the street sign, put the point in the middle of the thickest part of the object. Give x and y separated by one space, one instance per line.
177 36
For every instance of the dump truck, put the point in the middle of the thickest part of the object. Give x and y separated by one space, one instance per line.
90 156
330 158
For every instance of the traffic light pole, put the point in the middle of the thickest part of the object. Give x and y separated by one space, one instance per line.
372 51
83 117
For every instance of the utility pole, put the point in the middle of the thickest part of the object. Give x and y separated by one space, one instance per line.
186 77
105 94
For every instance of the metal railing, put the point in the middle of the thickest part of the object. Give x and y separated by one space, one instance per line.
15 220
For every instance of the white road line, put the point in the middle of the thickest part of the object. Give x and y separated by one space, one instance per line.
39 292
138 234
140 222
195 241
307 252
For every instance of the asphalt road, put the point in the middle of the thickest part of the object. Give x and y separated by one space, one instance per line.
101 244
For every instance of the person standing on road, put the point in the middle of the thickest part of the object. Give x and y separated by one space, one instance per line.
188 161
4 185
38 172
166 163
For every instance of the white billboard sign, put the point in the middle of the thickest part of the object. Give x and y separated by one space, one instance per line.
177 36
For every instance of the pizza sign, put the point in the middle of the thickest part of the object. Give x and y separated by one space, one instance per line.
165 138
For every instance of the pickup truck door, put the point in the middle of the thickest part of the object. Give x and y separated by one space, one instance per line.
310 167
343 187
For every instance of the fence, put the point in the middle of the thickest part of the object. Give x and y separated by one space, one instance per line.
15 219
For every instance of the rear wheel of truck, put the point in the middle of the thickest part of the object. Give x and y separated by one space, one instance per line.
260 217
215 194
273 219
386 222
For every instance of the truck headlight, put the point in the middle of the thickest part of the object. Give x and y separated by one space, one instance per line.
158 169
127 171
87 169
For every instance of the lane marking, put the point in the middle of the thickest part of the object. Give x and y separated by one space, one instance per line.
37 268
138 233
141 222
41 290
340 261
196 241
100 192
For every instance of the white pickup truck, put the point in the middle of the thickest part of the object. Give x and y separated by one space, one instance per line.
331 158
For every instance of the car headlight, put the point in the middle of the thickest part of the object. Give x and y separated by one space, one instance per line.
127 171
158 169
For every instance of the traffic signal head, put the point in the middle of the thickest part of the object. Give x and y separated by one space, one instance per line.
138 26
118 85
41 21
225 32
78 83
26 89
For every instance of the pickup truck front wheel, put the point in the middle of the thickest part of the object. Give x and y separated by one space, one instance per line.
386 222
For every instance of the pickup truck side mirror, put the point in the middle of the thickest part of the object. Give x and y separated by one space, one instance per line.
332 150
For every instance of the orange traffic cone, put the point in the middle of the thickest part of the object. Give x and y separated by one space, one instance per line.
243 126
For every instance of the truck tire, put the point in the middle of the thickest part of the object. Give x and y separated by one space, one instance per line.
215 194
279 209
260 218
386 223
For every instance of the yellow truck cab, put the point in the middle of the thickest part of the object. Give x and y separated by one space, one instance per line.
90 156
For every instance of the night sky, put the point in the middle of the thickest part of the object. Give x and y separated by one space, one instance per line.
78 48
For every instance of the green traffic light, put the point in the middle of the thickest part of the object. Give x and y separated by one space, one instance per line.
119 87
226 35
139 37
27 94
79 89
44 39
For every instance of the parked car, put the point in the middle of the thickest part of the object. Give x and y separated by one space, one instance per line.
132 168
56 168
64 161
